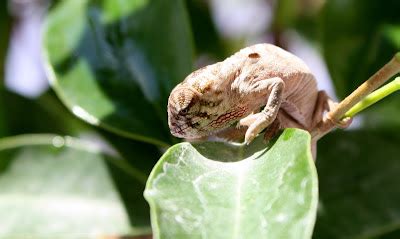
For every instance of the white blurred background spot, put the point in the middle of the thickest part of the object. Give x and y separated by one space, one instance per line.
24 71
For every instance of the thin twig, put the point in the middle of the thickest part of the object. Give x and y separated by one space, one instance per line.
379 78
374 97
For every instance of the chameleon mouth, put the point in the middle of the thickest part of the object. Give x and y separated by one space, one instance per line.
187 131
178 133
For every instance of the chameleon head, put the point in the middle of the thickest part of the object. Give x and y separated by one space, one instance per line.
197 107
182 112
194 114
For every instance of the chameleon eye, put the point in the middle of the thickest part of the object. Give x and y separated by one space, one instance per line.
184 111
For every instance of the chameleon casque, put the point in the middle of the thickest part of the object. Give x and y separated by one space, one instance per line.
260 87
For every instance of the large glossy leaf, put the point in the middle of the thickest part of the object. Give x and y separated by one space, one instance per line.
219 190
113 63
359 185
61 187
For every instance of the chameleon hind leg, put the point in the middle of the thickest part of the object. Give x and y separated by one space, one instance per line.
324 104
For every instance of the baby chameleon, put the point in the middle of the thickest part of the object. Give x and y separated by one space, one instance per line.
260 87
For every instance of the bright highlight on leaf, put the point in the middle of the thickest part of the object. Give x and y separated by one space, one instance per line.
196 191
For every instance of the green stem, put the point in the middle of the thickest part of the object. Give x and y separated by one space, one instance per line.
374 97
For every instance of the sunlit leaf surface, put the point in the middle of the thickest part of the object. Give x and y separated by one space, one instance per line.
218 190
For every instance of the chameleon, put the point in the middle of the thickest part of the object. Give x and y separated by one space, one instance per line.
261 87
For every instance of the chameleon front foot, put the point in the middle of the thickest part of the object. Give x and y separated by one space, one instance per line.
263 121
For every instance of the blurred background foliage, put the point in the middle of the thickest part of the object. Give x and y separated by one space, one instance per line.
112 64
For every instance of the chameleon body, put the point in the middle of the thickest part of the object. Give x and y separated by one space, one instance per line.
259 87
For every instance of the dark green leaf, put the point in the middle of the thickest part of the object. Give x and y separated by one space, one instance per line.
3 123
219 190
354 41
42 115
205 33
139 158
359 185
286 12
391 235
114 64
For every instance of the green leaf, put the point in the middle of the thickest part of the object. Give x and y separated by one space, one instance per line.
359 185
391 235
114 64
46 115
139 159
219 190
286 12
298 15
3 122
206 37
61 187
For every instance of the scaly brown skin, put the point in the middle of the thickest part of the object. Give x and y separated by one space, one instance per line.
213 98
